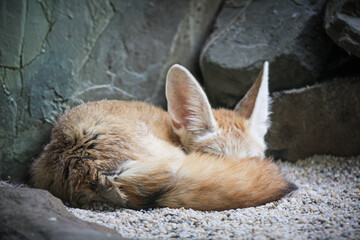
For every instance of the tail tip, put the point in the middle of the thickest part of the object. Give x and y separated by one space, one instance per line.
291 188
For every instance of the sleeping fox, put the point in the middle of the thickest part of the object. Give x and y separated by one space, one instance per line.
135 155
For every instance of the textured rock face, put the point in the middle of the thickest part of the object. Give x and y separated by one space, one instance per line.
27 213
288 34
55 54
323 118
342 23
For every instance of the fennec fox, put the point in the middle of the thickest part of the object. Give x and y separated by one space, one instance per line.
136 155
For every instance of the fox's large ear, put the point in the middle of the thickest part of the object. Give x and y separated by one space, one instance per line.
255 104
188 105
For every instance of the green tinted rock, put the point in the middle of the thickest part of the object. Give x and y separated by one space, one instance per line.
12 23
62 53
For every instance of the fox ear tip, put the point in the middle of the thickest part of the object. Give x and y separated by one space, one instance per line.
176 66
266 65
173 70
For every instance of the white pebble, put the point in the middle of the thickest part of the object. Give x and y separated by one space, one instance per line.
52 219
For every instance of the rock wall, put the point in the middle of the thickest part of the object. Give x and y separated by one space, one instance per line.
56 54
320 119
288 34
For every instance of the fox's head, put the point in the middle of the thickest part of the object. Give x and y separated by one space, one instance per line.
238 133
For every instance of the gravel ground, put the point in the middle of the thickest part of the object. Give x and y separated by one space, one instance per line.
326 206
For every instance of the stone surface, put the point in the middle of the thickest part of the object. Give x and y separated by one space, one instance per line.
12 23
198 19
288 34
36 21
342 23
56 54
323 118
27 213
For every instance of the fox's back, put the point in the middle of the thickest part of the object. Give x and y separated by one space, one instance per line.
128 115
93 140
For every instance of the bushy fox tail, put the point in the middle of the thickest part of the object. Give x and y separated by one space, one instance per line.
203 182
218 184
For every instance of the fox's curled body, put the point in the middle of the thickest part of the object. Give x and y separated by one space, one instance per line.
131 154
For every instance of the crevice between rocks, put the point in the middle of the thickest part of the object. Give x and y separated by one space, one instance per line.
231 22
87 56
